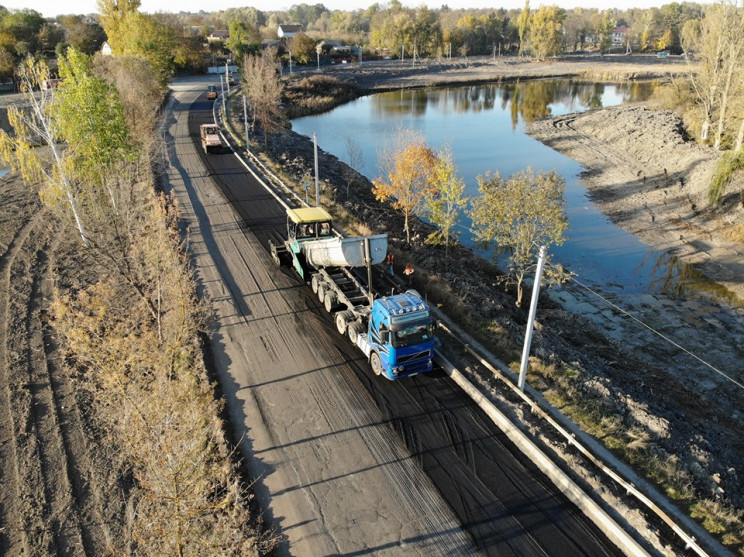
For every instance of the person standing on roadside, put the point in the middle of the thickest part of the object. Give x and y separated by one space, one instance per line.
389 260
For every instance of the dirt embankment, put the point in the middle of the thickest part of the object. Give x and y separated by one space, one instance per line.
396 74
650 179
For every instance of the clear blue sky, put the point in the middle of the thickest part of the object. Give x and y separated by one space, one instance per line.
50 8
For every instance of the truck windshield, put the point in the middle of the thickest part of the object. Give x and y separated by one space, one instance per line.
413 333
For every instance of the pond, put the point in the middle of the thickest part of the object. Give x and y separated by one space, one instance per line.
484 126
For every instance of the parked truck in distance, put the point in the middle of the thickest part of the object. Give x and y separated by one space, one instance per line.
210 138
211 92
395 333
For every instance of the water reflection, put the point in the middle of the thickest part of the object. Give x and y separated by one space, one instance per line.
678 279
526 101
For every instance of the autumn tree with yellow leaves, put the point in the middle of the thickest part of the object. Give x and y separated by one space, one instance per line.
408 164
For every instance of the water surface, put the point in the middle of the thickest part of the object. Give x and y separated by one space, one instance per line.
484 126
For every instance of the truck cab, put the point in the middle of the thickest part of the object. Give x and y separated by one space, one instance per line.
400 336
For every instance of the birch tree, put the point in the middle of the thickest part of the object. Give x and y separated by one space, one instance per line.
36 125
720 48
519 215
732 30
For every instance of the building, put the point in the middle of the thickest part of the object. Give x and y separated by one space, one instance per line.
221 35
618 35
288 31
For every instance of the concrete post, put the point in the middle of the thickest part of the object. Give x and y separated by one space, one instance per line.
531 319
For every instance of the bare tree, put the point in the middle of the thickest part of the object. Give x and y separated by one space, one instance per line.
264 90
355 162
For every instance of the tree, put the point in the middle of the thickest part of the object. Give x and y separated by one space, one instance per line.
37 125
139 92
91 120
446 199
355 162
523 22
732 31
19 31
719 47
302 48
604 31
546 31
408 164
84 36
131 33
518 215
263 89
243 38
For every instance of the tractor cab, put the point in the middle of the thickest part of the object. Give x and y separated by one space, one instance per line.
308 223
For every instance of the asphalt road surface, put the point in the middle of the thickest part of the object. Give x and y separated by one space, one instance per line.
345 462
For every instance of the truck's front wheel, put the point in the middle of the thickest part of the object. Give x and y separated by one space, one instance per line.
374 361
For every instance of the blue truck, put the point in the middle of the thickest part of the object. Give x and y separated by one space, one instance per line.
395 333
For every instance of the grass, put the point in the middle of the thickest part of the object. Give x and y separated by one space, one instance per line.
316 94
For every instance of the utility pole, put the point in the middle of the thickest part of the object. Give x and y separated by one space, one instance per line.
222 90
317 186
531 319
226 78
245 123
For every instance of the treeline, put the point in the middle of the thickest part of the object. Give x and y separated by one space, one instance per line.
132 329
380 30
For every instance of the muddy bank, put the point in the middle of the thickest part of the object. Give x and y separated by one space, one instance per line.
644 173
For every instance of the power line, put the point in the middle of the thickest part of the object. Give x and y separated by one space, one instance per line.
659 333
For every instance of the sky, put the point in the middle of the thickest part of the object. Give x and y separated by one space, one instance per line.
50 8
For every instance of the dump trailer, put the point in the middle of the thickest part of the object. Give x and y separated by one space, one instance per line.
210 138
395 333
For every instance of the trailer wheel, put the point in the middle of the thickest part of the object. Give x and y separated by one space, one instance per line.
315 283
374 361
342 321
353 330
330 301
321 293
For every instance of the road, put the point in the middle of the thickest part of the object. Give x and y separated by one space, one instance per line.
345 462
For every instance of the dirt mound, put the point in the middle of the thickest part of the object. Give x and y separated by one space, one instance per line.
645 173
